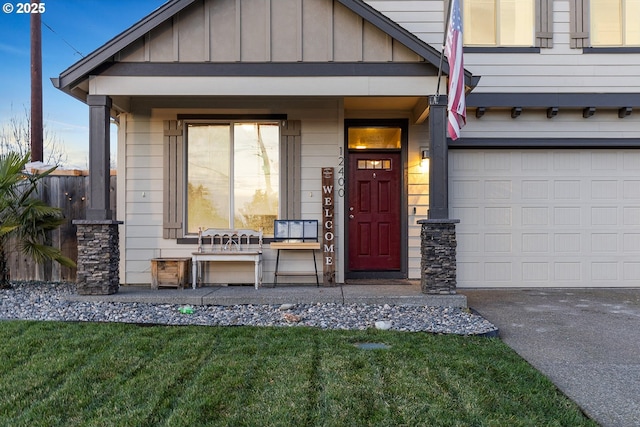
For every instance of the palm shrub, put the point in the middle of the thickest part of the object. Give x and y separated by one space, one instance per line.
24 218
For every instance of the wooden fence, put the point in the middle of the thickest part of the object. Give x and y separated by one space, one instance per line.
68 191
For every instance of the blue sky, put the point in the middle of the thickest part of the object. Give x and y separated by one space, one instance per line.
85 25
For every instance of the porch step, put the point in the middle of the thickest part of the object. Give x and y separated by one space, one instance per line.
285 293
295 273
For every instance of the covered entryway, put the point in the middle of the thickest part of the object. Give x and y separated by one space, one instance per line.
552 217
375 196
310 66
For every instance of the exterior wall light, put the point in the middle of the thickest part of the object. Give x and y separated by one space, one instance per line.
424 159
624 112
588 112
515 112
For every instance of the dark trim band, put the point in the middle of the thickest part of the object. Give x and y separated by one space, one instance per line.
561 100
500 49
573 143
231 117
626 49
269 69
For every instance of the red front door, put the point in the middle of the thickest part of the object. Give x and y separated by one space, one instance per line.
373 211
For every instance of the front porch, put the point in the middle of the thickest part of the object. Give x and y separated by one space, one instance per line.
373 292
187 75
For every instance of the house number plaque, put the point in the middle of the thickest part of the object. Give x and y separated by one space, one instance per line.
328 232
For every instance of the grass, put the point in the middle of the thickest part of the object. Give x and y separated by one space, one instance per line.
88 374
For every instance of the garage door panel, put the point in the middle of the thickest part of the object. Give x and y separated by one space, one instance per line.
566 189
535 273
604 189
631 272
546 217
498 271
605 243
631 190
468 242
535 189
535 243
631 242
470 215
631 215
631 161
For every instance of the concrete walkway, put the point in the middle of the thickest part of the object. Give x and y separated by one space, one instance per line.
587 341
408 293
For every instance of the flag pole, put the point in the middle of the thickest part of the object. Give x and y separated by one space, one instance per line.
444 42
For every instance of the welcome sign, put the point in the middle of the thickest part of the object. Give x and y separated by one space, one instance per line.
328 232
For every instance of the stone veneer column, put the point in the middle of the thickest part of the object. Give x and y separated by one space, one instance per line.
98 257
438 262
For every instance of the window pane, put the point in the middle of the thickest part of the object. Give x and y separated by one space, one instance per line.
606 22
632 23
479 23
208 176
374 138
256 172
516 22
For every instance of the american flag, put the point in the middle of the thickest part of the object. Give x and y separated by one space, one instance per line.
457 106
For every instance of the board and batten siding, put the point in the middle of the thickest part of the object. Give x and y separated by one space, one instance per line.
561 68
266 31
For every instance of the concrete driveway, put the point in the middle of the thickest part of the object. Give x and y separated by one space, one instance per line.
587 341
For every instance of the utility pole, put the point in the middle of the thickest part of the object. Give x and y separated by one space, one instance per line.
36 86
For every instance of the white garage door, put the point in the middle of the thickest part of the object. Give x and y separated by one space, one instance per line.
534 218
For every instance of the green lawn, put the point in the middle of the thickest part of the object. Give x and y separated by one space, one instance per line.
88 374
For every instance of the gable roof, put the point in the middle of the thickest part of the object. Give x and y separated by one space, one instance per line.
100 59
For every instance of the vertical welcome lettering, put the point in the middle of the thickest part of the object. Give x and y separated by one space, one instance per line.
328 232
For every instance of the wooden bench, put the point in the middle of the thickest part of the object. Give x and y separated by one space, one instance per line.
228 246
292 234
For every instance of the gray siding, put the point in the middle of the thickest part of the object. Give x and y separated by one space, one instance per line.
266 31
561 68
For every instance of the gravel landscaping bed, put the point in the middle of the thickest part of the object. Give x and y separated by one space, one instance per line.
49 302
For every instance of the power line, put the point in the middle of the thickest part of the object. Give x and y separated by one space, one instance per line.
62 38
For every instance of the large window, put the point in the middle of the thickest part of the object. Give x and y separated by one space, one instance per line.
615 23
498 23
232 175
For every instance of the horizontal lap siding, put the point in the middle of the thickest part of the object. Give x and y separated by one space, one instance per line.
498 124
558 69
425 18
418 195
322 132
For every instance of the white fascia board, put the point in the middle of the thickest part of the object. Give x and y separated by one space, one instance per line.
263 86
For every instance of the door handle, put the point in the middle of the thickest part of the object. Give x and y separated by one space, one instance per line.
351 216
